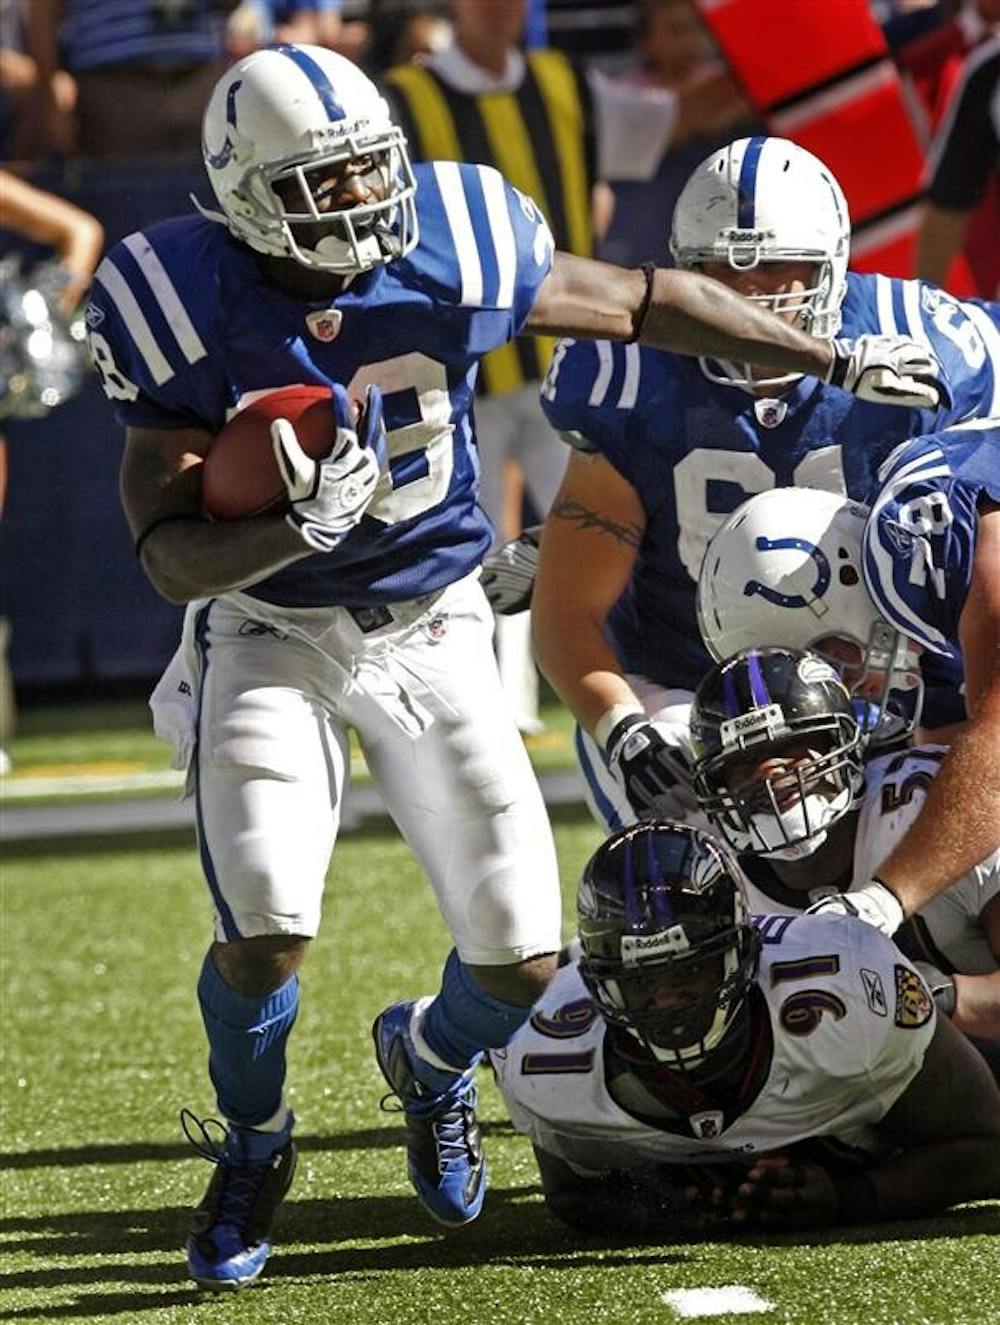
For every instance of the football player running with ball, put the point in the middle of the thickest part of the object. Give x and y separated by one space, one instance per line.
330 260
699 1069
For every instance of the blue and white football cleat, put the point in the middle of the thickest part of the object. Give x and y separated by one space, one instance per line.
231 1230
445 1159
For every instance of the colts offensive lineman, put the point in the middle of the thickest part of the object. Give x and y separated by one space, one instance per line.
665 447
688 1034
331 260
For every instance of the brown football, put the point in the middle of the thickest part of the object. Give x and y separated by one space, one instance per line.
240 476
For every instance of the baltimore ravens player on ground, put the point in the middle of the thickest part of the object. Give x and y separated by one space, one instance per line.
781 771
689 1034
331 260
925 558
666 447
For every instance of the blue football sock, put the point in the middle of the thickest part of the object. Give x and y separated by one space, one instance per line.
246 1038
463 1021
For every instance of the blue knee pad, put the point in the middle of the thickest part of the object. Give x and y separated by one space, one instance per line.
246 1038
464 1019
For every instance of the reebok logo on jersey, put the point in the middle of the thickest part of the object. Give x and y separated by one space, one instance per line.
914 1004
900 538
874 992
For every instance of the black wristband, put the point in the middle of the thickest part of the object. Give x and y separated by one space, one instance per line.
838 365
164 519
648 270
857 1197
620 728
889 889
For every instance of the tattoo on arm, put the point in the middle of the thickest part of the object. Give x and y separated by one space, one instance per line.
628 534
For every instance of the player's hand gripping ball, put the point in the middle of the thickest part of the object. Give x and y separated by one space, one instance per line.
308 452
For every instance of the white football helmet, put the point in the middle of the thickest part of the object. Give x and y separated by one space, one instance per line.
764 200
785 569
290 113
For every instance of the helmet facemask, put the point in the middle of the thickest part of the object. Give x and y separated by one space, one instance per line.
812 310
669 953
684 1032
787 814
883 675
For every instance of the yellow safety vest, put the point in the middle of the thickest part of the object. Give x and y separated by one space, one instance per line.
539 137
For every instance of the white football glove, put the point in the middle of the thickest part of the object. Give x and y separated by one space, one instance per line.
876 904
889 370
330 495
509 573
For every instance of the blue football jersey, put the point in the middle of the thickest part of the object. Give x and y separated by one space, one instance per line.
920 538
694 450
183 327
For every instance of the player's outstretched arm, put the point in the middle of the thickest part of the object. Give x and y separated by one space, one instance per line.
959 823
185 555
689 313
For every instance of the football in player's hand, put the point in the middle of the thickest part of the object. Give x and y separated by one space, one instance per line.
240 476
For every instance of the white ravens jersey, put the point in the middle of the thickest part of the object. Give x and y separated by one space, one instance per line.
949 930
850 1022
183 326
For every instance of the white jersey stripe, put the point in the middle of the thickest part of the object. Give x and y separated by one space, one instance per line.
502 232
630 387
166 296
605 367
883 299
987 328
449 180
914 316
134 318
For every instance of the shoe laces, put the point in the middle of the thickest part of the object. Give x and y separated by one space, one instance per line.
451 1132
243 1178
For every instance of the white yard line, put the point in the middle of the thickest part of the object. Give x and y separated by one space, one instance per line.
724 1301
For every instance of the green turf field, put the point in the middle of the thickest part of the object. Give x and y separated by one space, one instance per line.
102 1045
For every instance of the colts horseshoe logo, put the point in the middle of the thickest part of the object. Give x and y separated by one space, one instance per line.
791 599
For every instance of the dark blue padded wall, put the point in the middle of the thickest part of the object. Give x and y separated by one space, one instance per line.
80 608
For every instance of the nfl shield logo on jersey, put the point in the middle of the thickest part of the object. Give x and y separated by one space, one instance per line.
707 1125
325 324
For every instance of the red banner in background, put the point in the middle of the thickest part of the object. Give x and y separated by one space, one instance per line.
819 72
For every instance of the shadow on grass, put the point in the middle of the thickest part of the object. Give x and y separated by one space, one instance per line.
515 1230
369 1138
